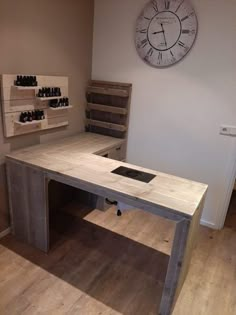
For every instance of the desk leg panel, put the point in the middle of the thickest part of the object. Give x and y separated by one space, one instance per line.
175 267
28 192
18 201
184 242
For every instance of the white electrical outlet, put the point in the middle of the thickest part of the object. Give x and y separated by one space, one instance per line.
228 130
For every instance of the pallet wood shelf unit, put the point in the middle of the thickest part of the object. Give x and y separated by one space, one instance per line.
18 99
108 105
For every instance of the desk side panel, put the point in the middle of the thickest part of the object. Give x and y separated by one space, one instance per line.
184 242
190 245
38 208
28 204
19 211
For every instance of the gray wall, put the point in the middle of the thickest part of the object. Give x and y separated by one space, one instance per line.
48 38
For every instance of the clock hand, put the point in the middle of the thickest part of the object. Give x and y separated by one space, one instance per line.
164 34
158 32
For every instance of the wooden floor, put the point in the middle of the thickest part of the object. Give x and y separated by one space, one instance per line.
92 270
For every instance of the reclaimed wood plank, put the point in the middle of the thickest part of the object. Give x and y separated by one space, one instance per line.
105 108
106 125
107 91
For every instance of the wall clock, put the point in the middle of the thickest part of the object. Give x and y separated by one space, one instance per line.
165 32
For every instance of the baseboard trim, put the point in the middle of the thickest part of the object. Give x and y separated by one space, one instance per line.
208 224
5 232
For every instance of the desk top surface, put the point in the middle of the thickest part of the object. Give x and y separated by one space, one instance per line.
75 157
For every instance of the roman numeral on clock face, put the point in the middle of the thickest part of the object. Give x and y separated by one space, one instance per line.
144 31
172 55
154 5
150 52
144 43
179 6
187 16
181 43
184 18
185 31
167 5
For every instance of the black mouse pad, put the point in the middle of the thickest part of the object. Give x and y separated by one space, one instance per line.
134 174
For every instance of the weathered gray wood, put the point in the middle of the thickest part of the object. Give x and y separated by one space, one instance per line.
174 267
108 91
107 125
29 210
37 186
114 195
168 196
101 204
17 190
105 108
108 108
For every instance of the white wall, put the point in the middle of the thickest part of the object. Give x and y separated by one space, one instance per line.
176 112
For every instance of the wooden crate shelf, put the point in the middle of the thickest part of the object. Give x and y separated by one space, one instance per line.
106 125
17 99
107 91
106 108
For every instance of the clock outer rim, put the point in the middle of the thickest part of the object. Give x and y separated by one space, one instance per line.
178 61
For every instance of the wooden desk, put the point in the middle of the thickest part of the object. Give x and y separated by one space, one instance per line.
72 161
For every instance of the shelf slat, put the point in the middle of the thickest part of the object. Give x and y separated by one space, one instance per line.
28 123
106 125
50 98
27 87
107 91
106 108
61 108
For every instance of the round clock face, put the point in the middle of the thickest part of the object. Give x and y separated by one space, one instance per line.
165 31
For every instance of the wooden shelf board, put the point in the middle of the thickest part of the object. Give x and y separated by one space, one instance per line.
27 87
50 98
107 91
115 84
106 108
58 125
27 123
106 125
61 108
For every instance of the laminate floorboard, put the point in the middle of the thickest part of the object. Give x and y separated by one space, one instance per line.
104 264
